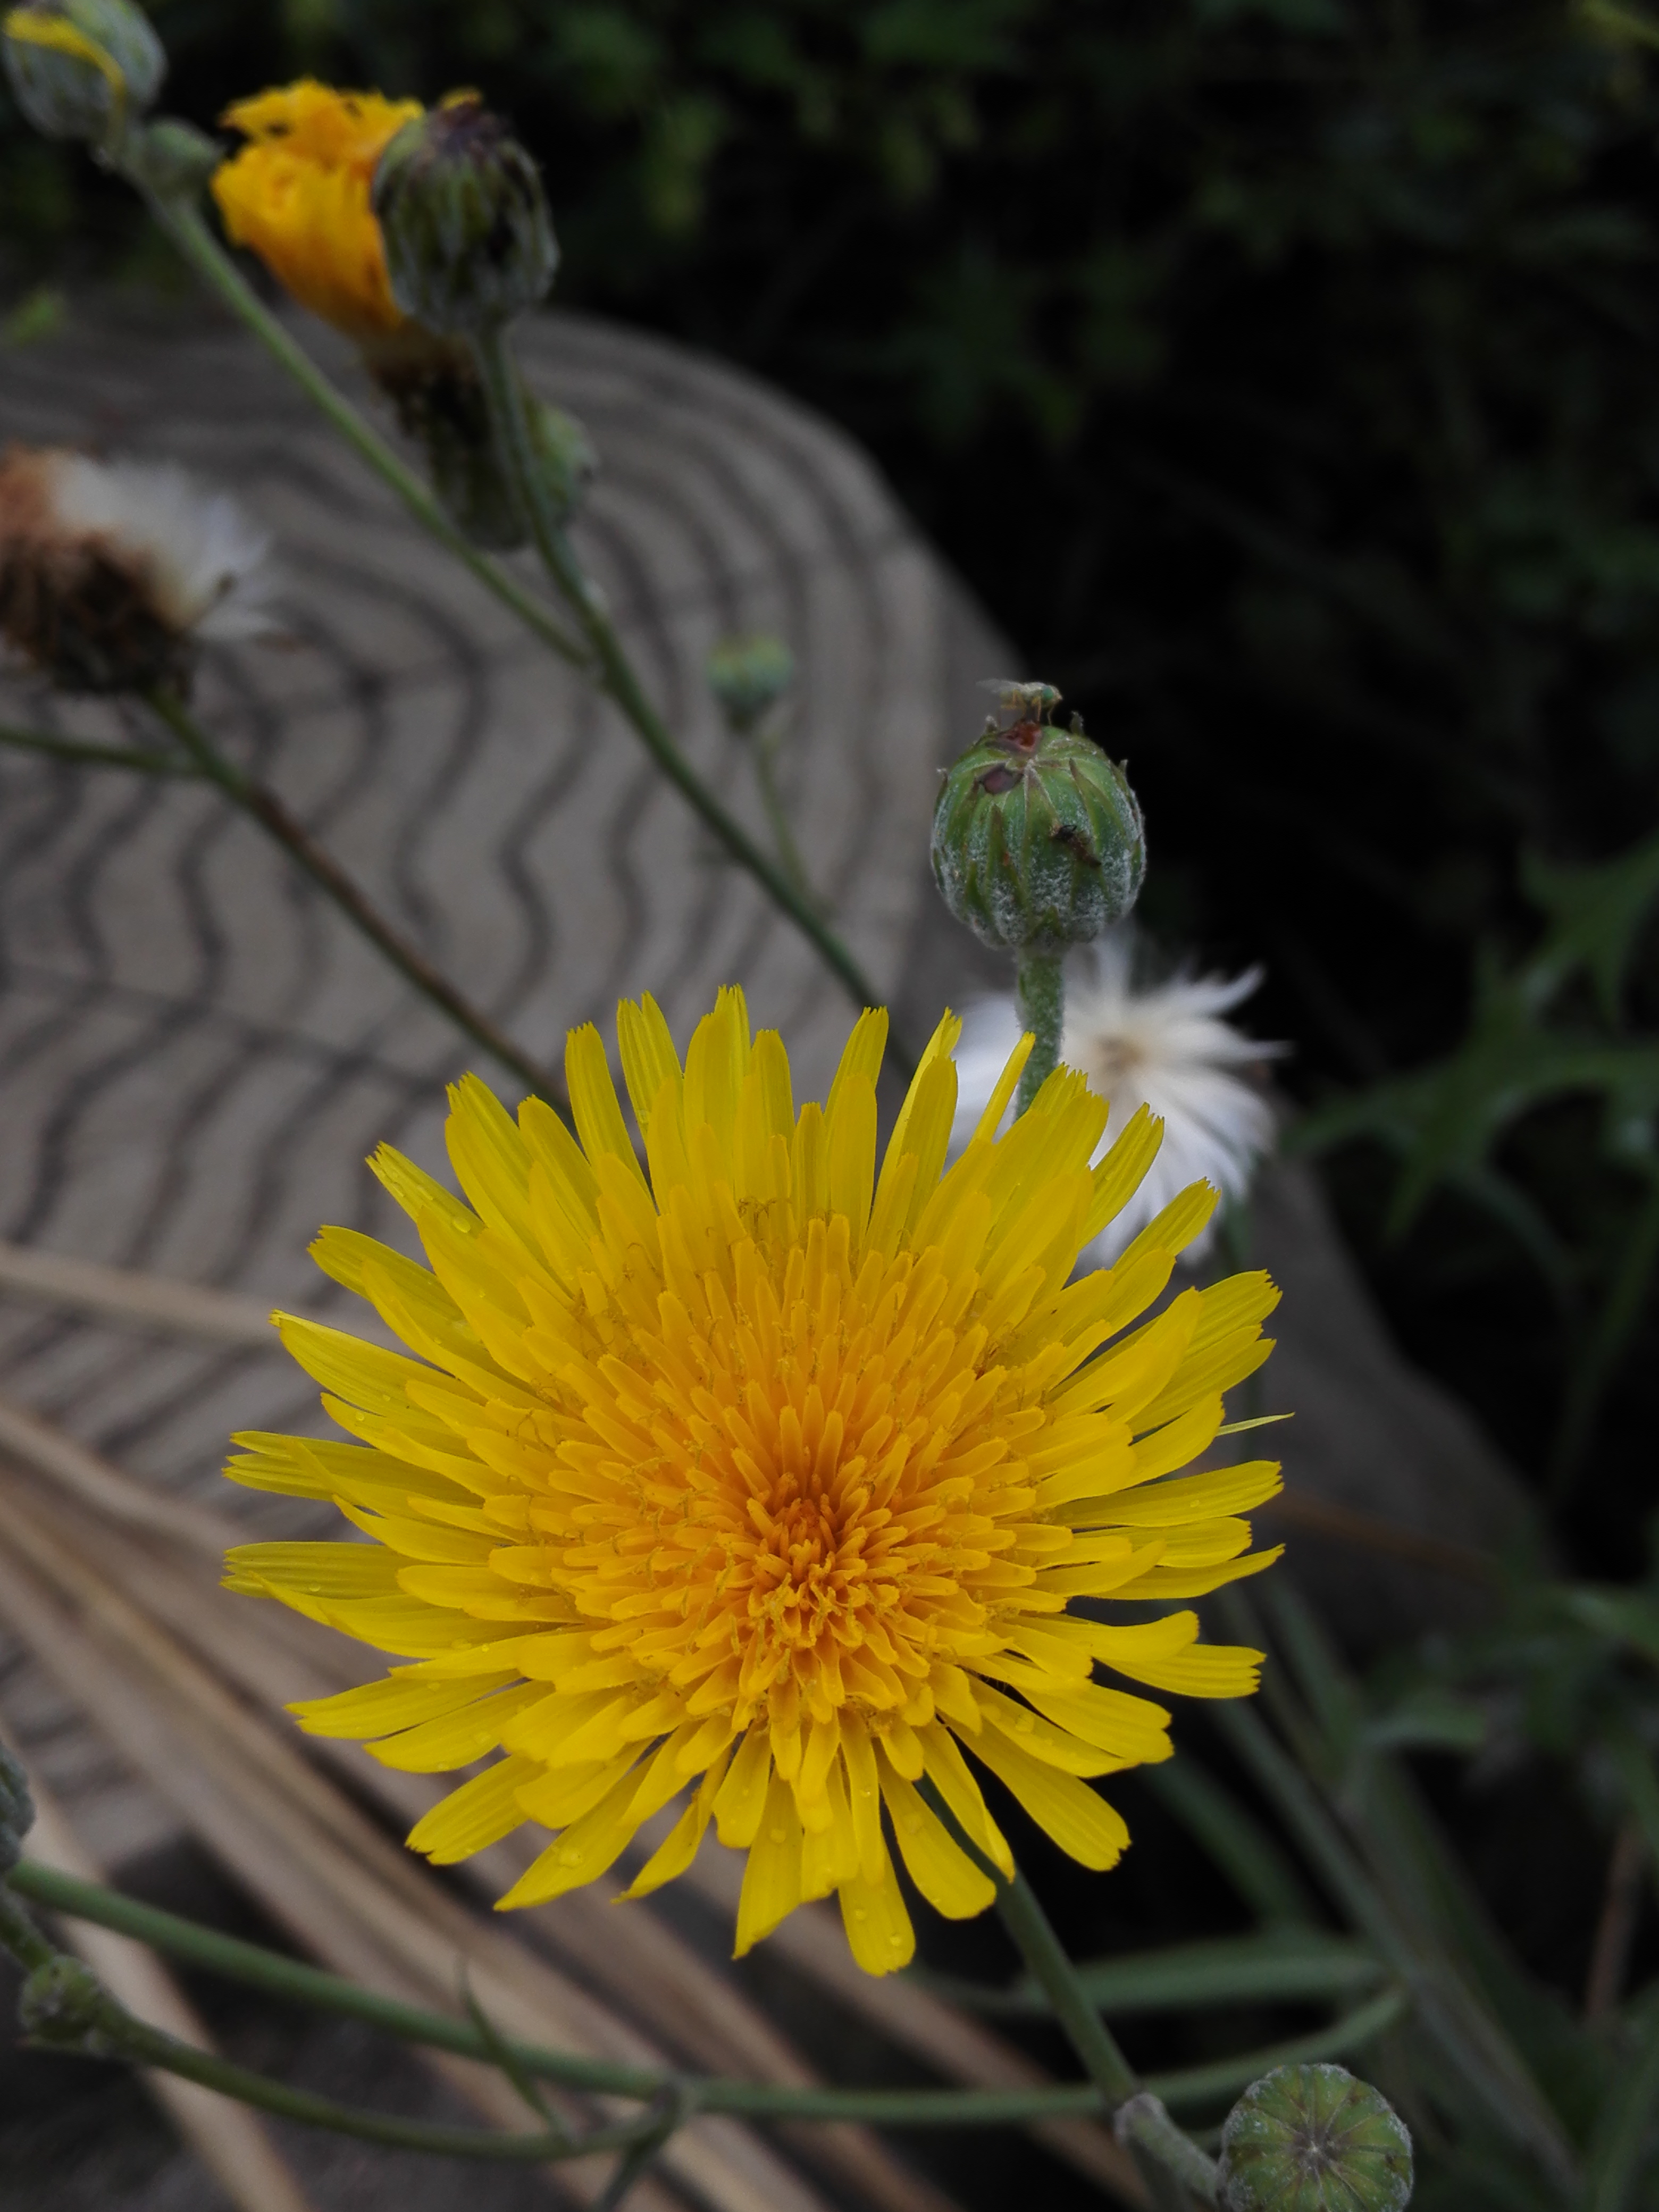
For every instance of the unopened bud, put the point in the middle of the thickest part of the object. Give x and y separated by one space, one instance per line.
16 1811
81 69
748 676
170 158
469 241
1038 842
62 2002
1315 2139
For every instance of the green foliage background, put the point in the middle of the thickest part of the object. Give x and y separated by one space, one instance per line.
1281 373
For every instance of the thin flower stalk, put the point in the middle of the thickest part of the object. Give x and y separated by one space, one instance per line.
262 807
601 655
616 678
767 742
1040 1001
252 1966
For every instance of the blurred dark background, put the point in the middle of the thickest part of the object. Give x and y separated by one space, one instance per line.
1281 374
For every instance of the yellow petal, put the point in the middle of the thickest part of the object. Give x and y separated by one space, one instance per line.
1084 1825
593 1105
949 1774
582 1854
772 1879
879 1929
479 1814
741 1798
938 1866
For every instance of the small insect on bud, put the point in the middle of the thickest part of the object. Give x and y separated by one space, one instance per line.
469 241
82 68
1315 2139
748 676
1038 842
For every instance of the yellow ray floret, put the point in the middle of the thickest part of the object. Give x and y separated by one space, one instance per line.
297 194
755 1478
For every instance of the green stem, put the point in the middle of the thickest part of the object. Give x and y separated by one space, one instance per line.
766 779
1040 1002
262 807
120 2036
1049 1967
256 1967
504 392
88 755
184 225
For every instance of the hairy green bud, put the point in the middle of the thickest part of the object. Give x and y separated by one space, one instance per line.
469 241
81 69
16 1811
748 676
1038 842
1315 2139
62 2002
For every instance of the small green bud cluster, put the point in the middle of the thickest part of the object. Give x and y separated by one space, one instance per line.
1039 840
82 68
16 1811
748 676
1315 2139
469 241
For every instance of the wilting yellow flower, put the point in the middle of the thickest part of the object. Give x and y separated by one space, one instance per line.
763 1478
298 194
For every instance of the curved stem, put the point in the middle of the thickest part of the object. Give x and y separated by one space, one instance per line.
1040 1002
184 225
262 807
258 1968
616 676
118 2035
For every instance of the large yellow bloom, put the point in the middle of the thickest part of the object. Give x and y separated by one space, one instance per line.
298 194
759 1477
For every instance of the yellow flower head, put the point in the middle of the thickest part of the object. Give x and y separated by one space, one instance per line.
750 1474
298 194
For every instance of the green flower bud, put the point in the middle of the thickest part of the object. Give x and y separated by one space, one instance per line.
62 2002
748 675
170 158
16 1811
1038 842
81 69
1315 2139
469 241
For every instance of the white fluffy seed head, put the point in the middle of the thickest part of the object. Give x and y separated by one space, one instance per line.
113 572
1163 1045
